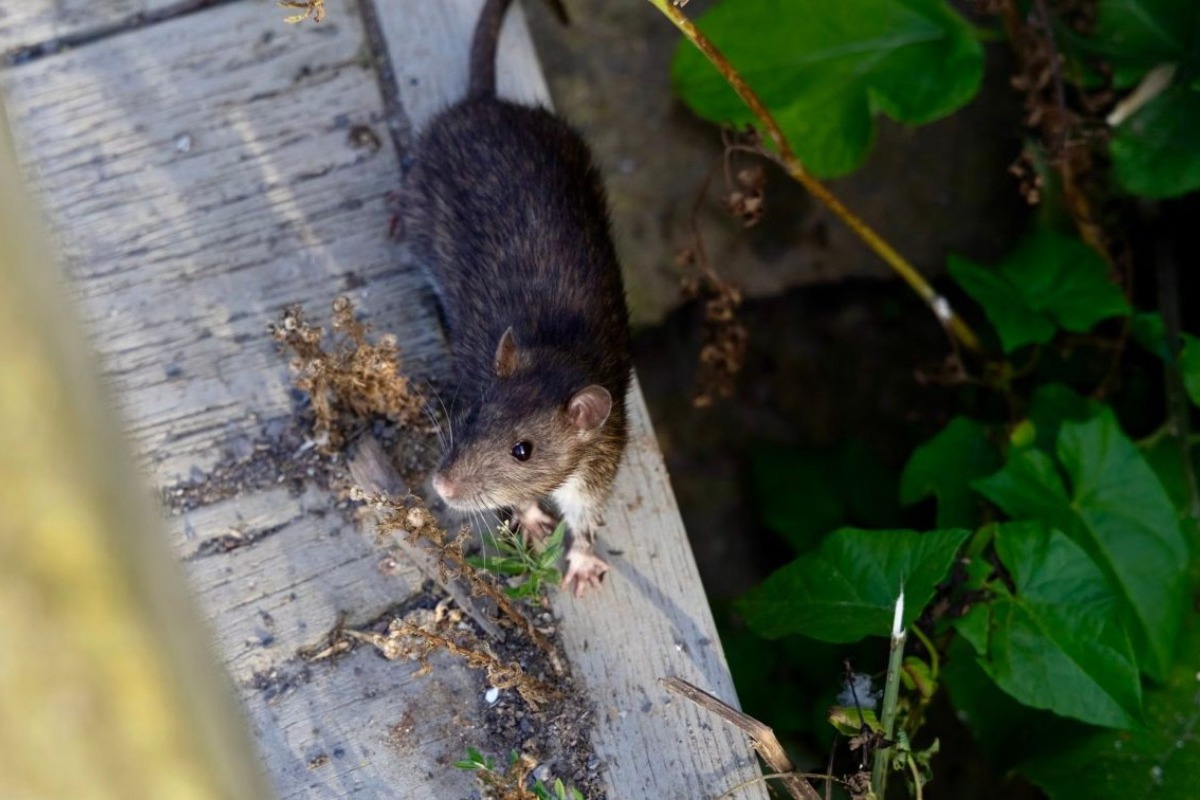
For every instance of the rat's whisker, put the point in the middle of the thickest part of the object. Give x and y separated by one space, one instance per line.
437 426
429 412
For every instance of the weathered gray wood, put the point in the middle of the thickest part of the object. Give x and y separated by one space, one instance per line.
23 24
200 174
203 177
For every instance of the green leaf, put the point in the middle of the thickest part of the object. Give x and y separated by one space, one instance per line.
1161 760
825 68
1155 152
1005 305
1134 36
1030 486
1150 332
1064 278
1051 405
1164 455
1118 512
847 588
1057 643
850 720
1005 730
1048 281
944 467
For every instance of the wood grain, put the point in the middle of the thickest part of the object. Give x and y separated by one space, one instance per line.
200 174
34 22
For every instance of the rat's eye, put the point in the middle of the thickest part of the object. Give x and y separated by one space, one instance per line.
522 451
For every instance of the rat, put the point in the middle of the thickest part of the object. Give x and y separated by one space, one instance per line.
507 213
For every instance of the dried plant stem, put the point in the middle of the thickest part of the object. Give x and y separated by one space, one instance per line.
941 308
764 739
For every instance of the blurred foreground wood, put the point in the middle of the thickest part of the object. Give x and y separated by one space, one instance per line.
201 173
108 688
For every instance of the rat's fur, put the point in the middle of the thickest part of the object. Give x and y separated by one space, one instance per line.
507 213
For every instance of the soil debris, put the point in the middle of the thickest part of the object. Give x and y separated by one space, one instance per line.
285 455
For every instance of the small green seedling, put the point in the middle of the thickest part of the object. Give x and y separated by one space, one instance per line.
513 779
475 761
506 553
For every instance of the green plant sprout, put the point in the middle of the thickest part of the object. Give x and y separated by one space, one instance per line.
509 555
512 782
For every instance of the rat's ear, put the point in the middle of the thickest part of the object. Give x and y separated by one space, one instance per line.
507 355
590 407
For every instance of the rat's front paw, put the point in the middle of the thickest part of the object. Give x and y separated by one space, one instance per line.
584 571
535 523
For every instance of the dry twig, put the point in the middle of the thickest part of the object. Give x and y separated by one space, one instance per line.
763 738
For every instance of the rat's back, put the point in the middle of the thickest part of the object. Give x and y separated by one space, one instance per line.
506 211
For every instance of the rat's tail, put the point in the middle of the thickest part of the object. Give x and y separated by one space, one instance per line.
483 49
483 45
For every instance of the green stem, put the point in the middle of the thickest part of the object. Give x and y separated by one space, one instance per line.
934 659
916 779
891 696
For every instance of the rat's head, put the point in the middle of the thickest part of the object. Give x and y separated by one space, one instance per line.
522 437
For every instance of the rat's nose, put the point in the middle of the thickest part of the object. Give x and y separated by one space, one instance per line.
443 486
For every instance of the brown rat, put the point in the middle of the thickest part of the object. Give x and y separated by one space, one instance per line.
506 211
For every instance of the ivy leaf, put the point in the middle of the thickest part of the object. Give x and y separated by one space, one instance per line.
1154 152
1118 512
1057 643
825 68
944 467
846 589
1134 36
1048 281
1159 760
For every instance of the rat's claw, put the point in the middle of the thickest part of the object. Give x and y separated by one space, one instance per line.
584 571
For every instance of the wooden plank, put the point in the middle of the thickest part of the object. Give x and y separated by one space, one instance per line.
203 172
197 194
34 22
200 175
302 569
107 686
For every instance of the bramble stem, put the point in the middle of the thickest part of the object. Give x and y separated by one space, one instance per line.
940 306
